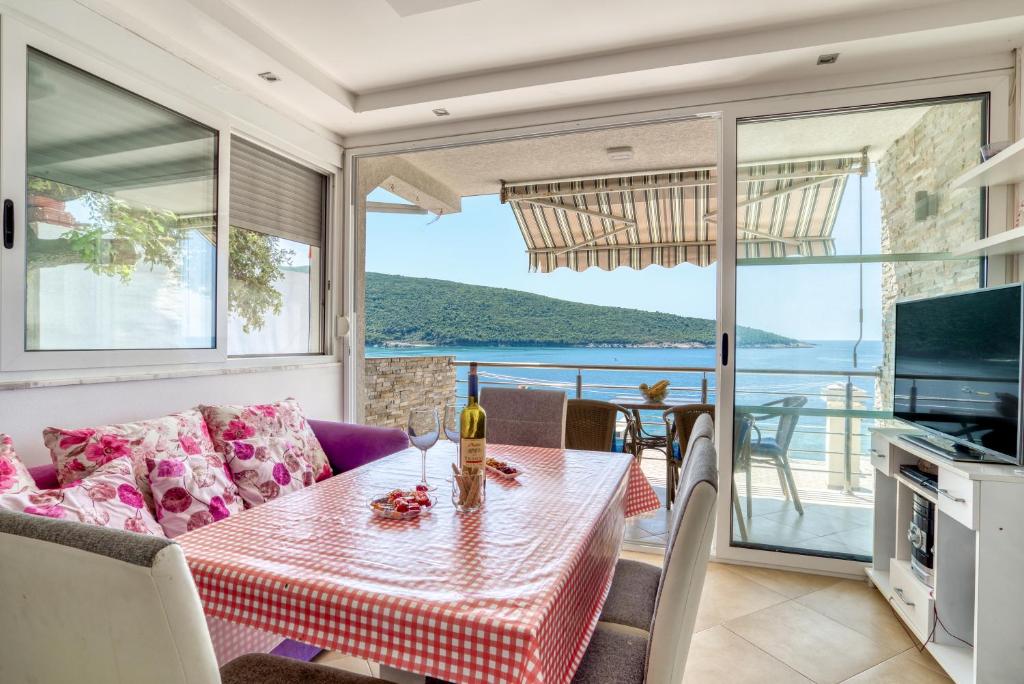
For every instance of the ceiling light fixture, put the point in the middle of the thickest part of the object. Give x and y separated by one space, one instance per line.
830 58
441 111
269 76
624 153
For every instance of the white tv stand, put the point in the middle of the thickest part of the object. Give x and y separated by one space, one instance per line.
979 559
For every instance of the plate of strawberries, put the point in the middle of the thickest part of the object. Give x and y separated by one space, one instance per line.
402 504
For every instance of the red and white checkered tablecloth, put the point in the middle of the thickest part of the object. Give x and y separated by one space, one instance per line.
509 594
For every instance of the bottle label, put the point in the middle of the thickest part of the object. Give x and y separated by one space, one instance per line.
472 454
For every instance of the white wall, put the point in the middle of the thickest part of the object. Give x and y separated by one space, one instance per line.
25 412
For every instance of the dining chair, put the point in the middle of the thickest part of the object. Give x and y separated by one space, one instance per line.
679 422
644 633
632 597
590 425
524 417
85 603
774 451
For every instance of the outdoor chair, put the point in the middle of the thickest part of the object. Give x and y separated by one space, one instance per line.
524 417
116 607
679 422
590 425
774 451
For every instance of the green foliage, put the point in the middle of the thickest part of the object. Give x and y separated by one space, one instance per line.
256 263
119 236
440 312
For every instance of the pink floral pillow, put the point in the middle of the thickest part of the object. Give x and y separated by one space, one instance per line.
191 492
283 421
107 498
265 469
77 453
14 476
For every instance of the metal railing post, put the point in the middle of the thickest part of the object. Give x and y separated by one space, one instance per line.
848 437
704 388
579 383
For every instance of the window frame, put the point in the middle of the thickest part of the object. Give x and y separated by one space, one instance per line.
326 245
15 41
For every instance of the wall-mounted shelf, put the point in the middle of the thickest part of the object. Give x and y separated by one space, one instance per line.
1007 242
1006 168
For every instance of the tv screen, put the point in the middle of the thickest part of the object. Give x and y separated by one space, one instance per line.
957 367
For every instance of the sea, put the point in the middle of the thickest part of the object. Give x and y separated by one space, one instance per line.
821 365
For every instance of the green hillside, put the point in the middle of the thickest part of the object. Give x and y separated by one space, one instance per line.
441 312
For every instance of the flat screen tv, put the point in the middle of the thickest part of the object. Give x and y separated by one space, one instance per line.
958 371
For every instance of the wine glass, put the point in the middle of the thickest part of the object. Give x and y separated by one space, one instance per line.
451 423
424 429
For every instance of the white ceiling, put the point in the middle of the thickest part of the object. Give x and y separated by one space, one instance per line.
691 143
358 66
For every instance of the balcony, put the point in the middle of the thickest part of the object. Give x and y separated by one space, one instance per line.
828 454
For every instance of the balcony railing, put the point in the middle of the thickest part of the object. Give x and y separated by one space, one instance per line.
840 407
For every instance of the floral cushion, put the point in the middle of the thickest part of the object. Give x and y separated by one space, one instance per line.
283 420
107 498
14 476
192 491
77 453
265 469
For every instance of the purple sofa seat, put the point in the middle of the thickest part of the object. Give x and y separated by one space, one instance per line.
347 446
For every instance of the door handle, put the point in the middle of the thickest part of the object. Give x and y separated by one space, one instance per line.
955 499
725 349
8 224
899 592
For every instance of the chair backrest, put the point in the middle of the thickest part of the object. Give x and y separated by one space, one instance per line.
590 424
685 417
524 417
703 428
88 604
787 422
742 433
686 563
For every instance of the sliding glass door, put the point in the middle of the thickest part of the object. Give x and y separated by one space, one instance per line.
839 215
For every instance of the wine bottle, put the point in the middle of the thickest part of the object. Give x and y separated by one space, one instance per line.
473 429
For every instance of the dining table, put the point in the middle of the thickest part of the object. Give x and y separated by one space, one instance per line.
510 593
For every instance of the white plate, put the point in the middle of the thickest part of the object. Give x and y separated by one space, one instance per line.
507 476
382 510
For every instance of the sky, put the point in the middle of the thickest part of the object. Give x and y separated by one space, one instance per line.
482 245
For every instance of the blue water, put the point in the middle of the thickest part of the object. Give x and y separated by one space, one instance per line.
752 388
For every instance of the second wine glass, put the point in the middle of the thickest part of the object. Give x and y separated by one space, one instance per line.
450 422
424 429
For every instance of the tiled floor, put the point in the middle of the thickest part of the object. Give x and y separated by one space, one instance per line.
833 521
757 625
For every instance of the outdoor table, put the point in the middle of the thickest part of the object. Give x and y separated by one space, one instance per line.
638 403
509 594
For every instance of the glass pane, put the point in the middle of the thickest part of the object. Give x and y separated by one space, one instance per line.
121 218
274 295
839 216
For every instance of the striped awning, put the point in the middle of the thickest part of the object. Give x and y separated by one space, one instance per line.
668 218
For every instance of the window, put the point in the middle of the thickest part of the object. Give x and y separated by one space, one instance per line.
121 234
840 215
278 213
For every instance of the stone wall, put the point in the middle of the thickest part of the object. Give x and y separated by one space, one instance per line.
939 147
398 384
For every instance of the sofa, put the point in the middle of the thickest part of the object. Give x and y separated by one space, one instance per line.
347 446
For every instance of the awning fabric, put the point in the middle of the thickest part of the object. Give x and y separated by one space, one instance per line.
784 209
